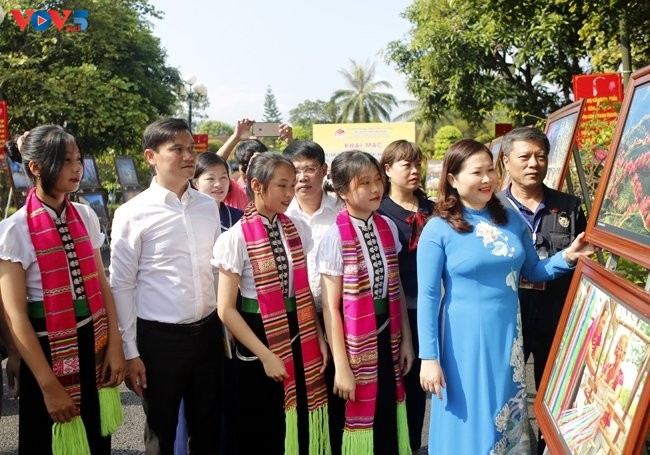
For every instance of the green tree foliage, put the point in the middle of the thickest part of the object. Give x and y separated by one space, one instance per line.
302 133
364 101
472 55
104 84
309 112
444 139
271 111
214 128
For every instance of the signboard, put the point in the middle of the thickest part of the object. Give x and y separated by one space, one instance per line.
368 137
200 143
595 86
601 92
4 133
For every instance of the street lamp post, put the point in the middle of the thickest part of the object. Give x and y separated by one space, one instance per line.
194 88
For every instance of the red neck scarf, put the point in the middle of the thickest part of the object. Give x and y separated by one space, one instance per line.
360 329
57 292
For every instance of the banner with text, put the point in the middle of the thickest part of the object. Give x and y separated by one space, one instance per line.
368 137
603 94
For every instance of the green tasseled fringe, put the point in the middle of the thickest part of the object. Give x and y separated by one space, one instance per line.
357 442
70 438
291 431
110 410
319 432
403 443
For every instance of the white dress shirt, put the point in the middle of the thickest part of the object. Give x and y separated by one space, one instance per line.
160 259
330 252
230 253
319 223
16 245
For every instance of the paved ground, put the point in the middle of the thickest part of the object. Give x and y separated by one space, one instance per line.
128 440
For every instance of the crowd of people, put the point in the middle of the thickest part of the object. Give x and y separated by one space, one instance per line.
300 309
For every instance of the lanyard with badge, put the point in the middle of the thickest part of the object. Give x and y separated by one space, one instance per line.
542 252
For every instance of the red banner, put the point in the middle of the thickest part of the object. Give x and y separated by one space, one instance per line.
501 129
200 142
4 133
602 93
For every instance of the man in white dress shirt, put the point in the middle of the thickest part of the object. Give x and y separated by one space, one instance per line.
311 203
164 290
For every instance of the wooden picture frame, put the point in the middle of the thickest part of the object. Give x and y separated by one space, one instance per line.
95 200
561 130
495 149
90 177
126 171
19 179
620 218
595 390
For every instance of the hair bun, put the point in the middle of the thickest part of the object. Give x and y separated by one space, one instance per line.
11 149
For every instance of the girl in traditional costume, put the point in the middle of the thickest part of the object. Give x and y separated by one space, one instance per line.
280 351
364 312
59 306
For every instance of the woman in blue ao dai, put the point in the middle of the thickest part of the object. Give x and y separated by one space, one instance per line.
470 257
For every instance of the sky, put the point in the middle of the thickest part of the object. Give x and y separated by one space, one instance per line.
297 47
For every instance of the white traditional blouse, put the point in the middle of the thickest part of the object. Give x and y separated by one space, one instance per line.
16 244
329 258
230 254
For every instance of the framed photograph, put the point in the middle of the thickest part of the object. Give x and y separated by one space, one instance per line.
95 200
19 179
126 172
90 178
127 195
594 396
561 130
620 218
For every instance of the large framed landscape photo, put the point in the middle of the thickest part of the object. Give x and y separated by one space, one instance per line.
90 178
126 172
95 200
594 395
620 221
19 178
561 130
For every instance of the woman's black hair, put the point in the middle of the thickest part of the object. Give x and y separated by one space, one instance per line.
397 151
349 165
46 145
206 160
262 167
449 206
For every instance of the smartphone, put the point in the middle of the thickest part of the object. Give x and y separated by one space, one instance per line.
264 129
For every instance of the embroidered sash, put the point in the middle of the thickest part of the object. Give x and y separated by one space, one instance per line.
360 329
276 327
60 319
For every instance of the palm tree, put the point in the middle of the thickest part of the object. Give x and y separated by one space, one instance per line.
363 102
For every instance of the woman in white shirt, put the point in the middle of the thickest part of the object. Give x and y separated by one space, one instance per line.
58 304
280 351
